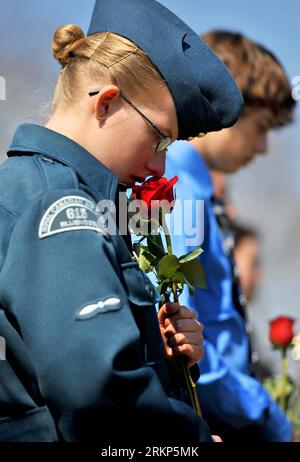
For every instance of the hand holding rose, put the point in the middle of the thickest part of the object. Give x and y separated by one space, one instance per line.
181 333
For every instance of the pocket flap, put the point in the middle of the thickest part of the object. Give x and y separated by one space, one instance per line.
140 290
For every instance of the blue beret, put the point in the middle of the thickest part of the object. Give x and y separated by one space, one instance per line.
205 95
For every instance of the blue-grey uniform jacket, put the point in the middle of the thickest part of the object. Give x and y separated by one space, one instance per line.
82 358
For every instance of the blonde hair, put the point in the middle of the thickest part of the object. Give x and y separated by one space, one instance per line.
100 58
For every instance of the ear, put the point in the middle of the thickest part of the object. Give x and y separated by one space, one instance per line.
105 99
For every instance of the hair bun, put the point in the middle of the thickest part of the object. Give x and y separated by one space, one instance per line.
64 42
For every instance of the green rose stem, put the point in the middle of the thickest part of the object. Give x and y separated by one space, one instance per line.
282 399
190 385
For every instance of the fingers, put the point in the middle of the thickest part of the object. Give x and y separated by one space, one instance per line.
216 439
185 338
181 332
189 344
182 325
183 312
193 353
175 311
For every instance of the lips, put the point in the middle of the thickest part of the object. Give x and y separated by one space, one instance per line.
134 180
138 179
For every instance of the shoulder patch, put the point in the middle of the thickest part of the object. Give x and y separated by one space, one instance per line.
68 214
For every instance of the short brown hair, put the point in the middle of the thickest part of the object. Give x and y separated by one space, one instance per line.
258 73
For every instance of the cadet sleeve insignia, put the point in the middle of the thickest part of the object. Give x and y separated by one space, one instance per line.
99 307
71 213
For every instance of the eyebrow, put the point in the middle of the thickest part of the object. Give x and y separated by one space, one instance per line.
167 131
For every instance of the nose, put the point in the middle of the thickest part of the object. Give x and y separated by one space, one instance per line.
262 144
157 164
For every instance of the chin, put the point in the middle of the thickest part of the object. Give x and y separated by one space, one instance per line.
247 161
135 180
243 163
129 183
231 169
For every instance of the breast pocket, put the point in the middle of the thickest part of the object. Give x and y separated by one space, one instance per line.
143 296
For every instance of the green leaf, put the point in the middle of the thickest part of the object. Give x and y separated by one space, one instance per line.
156 245
278 387
191 288
163 299
156 262
272 384
178 278
145 259
137 248
194 273
145 250
177 283
168 266
191 255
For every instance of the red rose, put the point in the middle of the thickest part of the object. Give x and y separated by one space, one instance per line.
155 190
281 331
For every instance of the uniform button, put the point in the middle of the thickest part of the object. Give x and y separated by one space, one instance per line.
254 357
236 272
243 300
48 160
249 328
149 290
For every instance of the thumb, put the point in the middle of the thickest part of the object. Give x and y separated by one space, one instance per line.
217 439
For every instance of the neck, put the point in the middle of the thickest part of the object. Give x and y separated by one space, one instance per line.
85 132
70 126
202 147
79 129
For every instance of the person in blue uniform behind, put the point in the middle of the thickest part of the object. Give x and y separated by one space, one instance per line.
85 357
231 397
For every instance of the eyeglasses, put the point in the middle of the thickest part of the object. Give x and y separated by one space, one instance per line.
164 142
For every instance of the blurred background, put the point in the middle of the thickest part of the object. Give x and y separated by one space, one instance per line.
266 194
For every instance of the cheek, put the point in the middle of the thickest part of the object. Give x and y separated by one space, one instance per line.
143 146
137 135
241 144
242 139
134 149
231 145
138 160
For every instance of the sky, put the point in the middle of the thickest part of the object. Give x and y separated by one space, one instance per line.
266 194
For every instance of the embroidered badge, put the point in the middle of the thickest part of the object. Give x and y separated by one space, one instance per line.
101 306
68 214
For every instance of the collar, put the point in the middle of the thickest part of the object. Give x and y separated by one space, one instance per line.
30 139
188 160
